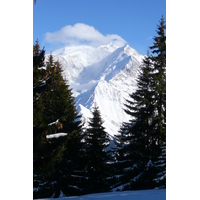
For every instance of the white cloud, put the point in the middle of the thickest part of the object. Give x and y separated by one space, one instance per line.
82 34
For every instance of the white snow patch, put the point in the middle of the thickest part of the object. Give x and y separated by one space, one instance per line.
156 194
56 135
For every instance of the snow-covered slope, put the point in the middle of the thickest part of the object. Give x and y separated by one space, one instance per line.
128 195
105 75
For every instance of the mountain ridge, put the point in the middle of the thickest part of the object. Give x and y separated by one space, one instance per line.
105 75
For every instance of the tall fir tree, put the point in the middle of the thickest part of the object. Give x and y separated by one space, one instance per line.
133 141
159 61
141 139
39 140
54 104
38 78
96 156
159 121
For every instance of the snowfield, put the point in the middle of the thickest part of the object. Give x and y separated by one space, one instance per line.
159 194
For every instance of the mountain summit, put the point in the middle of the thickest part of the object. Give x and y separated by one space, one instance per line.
105 75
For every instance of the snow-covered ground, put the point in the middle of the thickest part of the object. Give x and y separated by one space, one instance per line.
159 194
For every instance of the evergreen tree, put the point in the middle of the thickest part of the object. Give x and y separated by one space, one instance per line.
54 112
141 138
39 138
71 173
96 141
38 78
135 135
159 61
58 100
159 121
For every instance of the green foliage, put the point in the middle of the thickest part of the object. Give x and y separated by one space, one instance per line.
140 139
96 140
159 75
54 111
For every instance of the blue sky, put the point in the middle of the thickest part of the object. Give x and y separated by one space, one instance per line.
61 23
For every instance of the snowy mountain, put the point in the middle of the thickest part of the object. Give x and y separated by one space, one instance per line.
105 75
